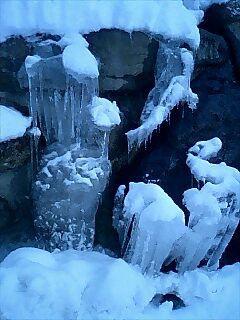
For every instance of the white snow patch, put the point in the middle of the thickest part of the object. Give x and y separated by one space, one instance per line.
78 61
36 284
105 113
20 17
12 123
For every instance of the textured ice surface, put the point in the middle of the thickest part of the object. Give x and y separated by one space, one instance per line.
67 192
144 226
172 87
12 123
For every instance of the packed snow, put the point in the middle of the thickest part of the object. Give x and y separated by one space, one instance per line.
12 123
78 61
105 113
66 17
36 284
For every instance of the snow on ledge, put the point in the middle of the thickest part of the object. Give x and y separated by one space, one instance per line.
12 124
171 19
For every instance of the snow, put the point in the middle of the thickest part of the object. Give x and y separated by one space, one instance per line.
20 17
207 149
202 4
36 284
12 123
78 61
105 113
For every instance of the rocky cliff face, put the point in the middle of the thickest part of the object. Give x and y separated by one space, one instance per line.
127 75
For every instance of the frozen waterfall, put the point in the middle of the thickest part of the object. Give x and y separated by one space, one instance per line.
75 122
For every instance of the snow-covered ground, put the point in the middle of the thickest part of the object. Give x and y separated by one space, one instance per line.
12 123
36 284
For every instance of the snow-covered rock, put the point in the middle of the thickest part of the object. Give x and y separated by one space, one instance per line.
12 123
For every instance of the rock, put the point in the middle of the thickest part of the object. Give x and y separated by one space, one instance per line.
224 20
12 54
14 153
159 299
126 60
5 213
213 50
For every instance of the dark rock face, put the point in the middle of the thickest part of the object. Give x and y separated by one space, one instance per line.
225 21
127 61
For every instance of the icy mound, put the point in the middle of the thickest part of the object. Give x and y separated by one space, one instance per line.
66 193
147 210
30 17
105 113
12 123
214 209
172 87
36 284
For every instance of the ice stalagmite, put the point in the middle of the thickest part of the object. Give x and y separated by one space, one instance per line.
76 124
214 209
149 226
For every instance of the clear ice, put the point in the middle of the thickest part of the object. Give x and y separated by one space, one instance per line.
75 168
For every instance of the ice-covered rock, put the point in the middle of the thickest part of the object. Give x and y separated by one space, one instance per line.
214 208
149 225
172 87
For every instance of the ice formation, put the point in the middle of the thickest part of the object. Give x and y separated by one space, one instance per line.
172 87
214 209
76 124
149 225
12 123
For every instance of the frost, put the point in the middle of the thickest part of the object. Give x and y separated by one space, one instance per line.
169 91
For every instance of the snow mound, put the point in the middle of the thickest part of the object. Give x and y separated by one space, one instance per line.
78 61
36 284
105 113
57 17
12 123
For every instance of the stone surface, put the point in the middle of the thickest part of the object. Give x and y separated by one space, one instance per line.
125 60
224 20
